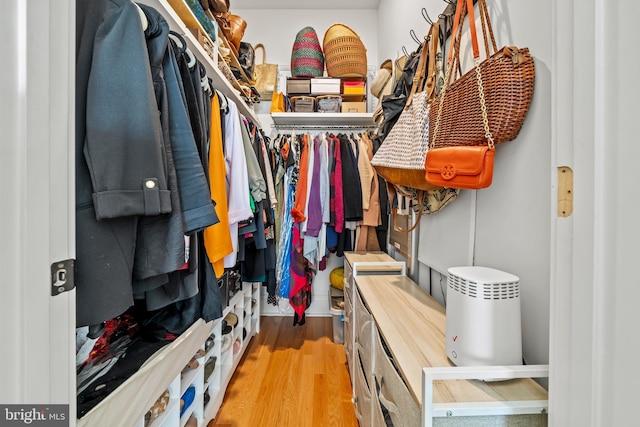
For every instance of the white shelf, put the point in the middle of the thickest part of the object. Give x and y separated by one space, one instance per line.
323 119
220 82
133 398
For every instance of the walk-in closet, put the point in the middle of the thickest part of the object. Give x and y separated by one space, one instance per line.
363 213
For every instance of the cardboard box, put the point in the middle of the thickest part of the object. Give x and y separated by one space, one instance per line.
354 107
325 86
298 86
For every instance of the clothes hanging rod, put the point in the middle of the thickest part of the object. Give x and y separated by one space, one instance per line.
325 127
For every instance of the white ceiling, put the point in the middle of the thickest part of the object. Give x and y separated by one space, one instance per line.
304 4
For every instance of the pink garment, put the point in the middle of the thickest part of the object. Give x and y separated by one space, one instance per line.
339 195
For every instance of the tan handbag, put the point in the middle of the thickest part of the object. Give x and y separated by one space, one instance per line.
400 158
266 75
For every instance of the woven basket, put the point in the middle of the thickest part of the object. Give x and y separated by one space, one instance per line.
307 59
344 52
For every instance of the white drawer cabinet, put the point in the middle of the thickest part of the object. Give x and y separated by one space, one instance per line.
405 334
356 264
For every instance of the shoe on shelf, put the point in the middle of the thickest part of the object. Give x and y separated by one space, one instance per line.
231 319
193 364
227 340
157 408
209 342
191 422
187 399
226 329
209 367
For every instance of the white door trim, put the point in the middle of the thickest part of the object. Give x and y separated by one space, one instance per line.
37 219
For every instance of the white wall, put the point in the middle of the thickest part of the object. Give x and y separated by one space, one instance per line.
506 226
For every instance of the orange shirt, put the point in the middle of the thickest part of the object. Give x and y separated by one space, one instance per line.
217 238
297 212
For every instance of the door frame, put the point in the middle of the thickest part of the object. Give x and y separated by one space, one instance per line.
37 219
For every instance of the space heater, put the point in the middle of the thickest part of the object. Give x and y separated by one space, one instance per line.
483 325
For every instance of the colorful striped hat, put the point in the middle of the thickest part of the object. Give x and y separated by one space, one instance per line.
307 59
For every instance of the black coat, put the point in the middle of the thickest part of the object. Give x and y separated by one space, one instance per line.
123 172
108 200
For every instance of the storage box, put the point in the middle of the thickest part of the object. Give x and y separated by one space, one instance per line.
325 86
303 104
338 325
297 86
353 88
329 103
354 107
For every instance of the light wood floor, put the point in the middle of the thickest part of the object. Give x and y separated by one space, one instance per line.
290 376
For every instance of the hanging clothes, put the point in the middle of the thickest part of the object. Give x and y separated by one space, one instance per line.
367 239
237 178
300 292
283 263
217 238
302 186
119 147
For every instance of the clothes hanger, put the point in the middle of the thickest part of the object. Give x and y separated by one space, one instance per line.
143 17
204 82
223 100
184 48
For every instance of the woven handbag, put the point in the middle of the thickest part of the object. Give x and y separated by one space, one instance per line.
505 78
400 159
307 59
344 52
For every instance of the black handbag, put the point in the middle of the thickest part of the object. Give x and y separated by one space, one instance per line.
247 59
393 104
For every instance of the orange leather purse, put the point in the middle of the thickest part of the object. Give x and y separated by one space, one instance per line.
462 166
468 167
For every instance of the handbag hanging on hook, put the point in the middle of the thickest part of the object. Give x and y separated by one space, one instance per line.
506 77
483 108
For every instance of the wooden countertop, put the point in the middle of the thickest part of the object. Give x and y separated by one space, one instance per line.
413 326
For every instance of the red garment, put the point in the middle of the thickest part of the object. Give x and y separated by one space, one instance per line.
300 285
339 196
297 212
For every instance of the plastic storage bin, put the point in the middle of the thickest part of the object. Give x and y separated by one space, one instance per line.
338 325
